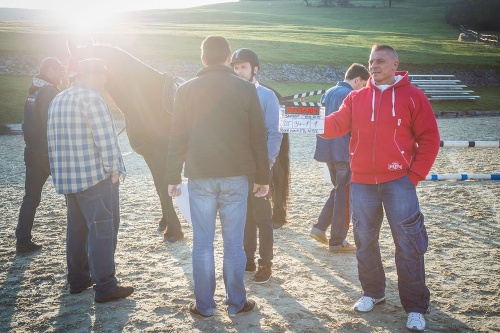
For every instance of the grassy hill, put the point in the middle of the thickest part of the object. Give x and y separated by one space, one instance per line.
281 32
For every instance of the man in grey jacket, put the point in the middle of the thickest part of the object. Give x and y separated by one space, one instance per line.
218 131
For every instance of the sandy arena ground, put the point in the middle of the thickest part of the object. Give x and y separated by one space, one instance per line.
311 290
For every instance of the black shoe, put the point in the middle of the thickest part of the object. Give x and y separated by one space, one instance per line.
250 266
27 247
74 291
263 274
194 310
119 293
249 306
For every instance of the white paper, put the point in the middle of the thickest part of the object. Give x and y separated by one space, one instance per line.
182 202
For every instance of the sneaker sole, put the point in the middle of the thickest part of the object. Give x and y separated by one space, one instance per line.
262 282
319 239
377 303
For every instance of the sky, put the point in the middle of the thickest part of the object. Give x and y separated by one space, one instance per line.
105 5
87 14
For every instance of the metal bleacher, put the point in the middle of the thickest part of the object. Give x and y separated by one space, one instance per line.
442 87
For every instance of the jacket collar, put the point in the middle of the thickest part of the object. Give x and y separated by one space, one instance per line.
216 68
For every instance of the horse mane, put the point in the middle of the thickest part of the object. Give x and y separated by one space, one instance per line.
123 57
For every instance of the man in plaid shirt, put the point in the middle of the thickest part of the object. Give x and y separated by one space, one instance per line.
86 166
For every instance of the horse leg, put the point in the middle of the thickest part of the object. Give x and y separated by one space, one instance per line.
279 209
169 221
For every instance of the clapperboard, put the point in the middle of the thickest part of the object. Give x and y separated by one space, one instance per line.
302 117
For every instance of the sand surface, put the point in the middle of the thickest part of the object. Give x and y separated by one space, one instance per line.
311 290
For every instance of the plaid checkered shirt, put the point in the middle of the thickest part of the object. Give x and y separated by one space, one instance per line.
83 146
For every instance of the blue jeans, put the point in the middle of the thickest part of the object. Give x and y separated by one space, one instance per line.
228 196
259 216
333 212
399 200
37 172
91 237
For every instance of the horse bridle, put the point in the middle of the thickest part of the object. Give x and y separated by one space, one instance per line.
169 92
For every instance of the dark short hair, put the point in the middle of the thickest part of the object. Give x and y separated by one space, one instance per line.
385 47
357 70
215 50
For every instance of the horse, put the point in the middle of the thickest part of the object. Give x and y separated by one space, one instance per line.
145 97
280 182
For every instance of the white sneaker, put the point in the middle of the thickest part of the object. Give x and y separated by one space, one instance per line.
366 304
415 322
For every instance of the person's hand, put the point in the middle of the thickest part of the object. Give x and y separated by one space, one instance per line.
260 190
173 190
115 176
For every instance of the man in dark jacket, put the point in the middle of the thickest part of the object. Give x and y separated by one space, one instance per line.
218 131
335 153
41 92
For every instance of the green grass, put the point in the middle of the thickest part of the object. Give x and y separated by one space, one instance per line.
13 92
281 32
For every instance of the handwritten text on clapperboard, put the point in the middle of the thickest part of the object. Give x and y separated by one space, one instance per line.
302 119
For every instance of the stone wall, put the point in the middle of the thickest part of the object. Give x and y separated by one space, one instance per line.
28 65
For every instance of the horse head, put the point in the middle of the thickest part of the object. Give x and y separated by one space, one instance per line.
143 94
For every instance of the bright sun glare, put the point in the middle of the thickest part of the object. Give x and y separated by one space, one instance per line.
95 13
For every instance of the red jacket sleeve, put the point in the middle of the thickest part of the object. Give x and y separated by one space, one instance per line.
339 123
427 137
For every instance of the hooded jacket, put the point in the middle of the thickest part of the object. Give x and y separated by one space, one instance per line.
394 132
36 109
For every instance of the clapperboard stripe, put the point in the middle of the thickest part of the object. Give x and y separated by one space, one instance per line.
303 95
288 103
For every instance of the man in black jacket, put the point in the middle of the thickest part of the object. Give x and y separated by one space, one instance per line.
41 92
218 131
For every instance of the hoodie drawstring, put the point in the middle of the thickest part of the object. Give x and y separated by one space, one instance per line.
373 104
393 103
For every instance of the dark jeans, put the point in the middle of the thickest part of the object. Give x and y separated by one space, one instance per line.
91 237
259 216
37 172
333 212
398 198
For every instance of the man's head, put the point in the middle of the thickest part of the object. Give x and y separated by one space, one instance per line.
383 64
215 50
245 63
92 72
357 75
52 70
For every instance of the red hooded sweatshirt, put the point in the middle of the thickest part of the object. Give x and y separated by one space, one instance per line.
394 132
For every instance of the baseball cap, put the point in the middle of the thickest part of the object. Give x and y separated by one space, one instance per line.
50 62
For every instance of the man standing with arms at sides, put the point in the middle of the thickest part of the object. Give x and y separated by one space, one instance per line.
259 212
41 92
218 131
395 140
86 165
335 153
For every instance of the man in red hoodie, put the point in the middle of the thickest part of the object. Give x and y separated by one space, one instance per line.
395 140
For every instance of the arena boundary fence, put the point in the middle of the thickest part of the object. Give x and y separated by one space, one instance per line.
466 176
